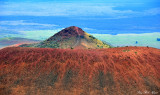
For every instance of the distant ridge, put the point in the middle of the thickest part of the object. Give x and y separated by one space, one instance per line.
70 37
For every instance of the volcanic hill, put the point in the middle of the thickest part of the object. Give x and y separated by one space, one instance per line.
71 37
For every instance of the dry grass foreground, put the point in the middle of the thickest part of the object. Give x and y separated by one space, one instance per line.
113 71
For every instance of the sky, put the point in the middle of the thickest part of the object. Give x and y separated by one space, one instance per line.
95 16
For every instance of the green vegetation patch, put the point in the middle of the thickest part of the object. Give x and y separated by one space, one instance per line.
92 37
126 50
135 52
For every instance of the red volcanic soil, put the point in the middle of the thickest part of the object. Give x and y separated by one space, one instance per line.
72 31
113 71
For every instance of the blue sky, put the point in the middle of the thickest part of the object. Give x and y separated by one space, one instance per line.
111 9
107 16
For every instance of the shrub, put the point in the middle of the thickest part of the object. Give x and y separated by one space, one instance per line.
135 52
126 50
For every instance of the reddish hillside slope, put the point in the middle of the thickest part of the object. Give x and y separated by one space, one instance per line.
113 71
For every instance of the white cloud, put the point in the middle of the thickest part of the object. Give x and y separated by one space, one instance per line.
88 28
153 11
22 22
2 28
144 27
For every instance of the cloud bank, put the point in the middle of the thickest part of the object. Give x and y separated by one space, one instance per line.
72 10
22 22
